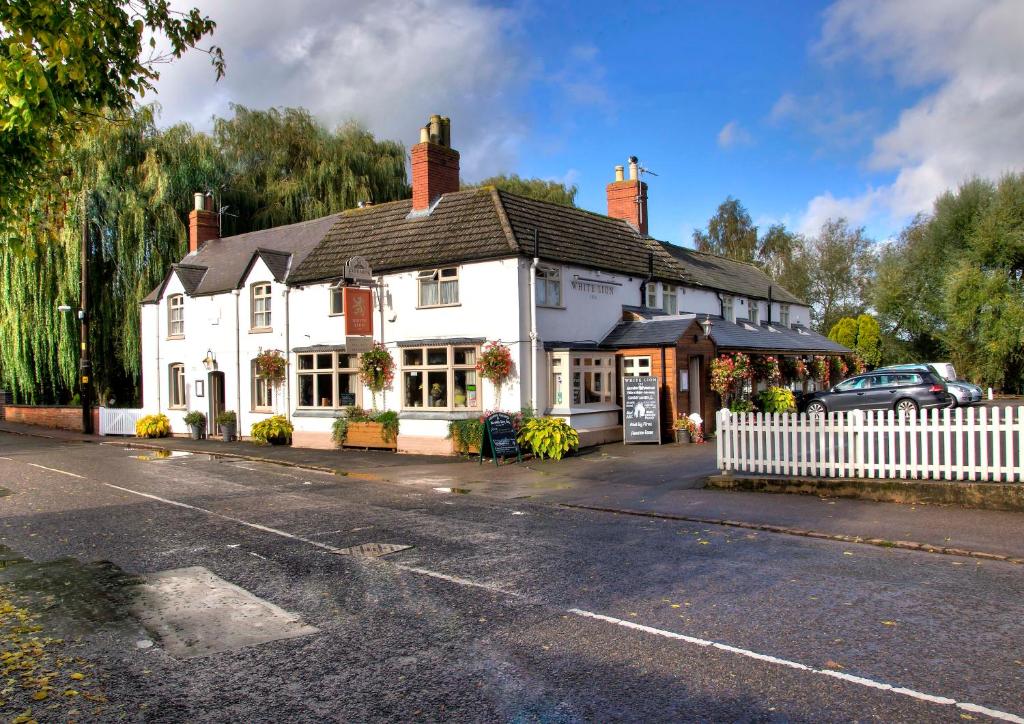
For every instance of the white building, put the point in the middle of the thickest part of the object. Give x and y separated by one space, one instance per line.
452 271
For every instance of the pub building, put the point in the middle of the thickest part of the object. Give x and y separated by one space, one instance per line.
581 300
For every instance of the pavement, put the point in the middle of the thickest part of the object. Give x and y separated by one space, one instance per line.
665 480
501 607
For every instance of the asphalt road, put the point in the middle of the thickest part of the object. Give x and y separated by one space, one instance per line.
502 609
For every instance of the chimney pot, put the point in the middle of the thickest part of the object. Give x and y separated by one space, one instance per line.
618 174
627 199
203 224
633 168
198 201
435 129
425 134
435 164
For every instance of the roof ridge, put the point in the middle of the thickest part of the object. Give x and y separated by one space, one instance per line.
579 209
506 225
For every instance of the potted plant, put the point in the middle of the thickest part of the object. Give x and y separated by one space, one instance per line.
276 430
466 435
228 422
689 428
369 429
153 426
196 422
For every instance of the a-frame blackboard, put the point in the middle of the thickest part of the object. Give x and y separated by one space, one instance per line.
499 439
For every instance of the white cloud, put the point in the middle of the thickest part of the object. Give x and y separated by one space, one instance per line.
855 209
733 134
967 56
389 64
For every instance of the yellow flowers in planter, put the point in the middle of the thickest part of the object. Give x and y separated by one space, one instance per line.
275 430
153 426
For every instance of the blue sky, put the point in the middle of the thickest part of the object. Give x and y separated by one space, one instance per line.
804 110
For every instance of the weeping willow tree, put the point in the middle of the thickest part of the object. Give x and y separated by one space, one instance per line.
134 181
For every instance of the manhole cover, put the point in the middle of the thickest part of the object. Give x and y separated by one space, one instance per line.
372 550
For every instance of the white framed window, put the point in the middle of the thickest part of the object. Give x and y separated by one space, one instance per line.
728 309
784 315
438 287
261 305
636 366
328 379
549 287
440 377
176 386
753 311
262 391
670 299
651 292
593 379
176 315
337 302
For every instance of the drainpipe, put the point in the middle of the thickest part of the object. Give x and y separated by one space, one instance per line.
380 305
534 376
238 362
648 280
287 354
159 390
769 304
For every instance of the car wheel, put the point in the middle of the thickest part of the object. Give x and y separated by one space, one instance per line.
906 408
953 402
816 408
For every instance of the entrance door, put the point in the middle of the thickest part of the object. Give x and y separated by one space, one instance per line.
695 386
215 392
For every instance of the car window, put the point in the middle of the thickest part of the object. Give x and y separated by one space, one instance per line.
855 383
883 381
907 379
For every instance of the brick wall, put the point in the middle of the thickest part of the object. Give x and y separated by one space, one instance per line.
622 202
435 171
61 417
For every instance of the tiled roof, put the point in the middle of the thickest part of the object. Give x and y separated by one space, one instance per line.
276 261
190 276
728 275
462 226
726 335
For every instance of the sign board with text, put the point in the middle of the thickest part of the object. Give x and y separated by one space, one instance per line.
358 312
499 438
358 271
641 410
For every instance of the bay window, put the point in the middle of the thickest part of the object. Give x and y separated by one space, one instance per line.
581 379
328 380
440 377
438 287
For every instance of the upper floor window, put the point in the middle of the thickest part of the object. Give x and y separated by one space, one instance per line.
753 311
670 299
784 315
440 377
329 379
651 291
261 305
549 287
176 315
439 287
337 300
728 311
176 385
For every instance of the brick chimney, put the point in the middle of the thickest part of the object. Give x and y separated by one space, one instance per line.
203 224
435 164
627 199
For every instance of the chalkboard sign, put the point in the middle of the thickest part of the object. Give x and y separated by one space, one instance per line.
641 411
347 399
499 438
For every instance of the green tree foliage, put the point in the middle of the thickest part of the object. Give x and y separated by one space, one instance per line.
136 182
730 232
66 63
863 335
534 188
841 262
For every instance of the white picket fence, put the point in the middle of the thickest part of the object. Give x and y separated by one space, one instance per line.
118 421
976 443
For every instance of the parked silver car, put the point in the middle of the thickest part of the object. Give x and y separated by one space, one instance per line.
961 392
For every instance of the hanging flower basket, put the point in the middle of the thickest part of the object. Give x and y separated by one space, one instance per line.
272 364
495 363
377 369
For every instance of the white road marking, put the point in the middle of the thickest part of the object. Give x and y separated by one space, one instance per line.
5 458
966 706
257 526
55 470
457 580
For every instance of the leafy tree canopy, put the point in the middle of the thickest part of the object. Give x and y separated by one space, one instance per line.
730 232
862 335
534 188
66 63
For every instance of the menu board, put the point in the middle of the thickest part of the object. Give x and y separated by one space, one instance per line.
641 411
499 438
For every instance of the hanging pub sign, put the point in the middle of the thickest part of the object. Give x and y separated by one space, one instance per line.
358 271
641 411
499 438
358 312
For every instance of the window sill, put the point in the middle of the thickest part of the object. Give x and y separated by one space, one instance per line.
551 306
261 330
418 413
440 306
585 409
176 407
170 337
262 411
335 314
330 412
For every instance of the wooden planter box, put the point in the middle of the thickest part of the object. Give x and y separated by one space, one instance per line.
473 449
368 435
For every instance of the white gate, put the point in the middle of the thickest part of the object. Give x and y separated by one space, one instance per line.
118 421
964 444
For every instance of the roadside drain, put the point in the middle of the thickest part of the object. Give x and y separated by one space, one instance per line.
372 550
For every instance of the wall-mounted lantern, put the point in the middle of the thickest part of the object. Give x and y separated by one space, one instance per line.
210 361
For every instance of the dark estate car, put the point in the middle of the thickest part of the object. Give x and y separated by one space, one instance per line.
905 390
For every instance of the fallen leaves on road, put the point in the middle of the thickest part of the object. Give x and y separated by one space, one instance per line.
835 665
889 623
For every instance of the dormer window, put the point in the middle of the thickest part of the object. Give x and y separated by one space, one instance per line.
439 287
669 299
753 310
176 315
784 315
